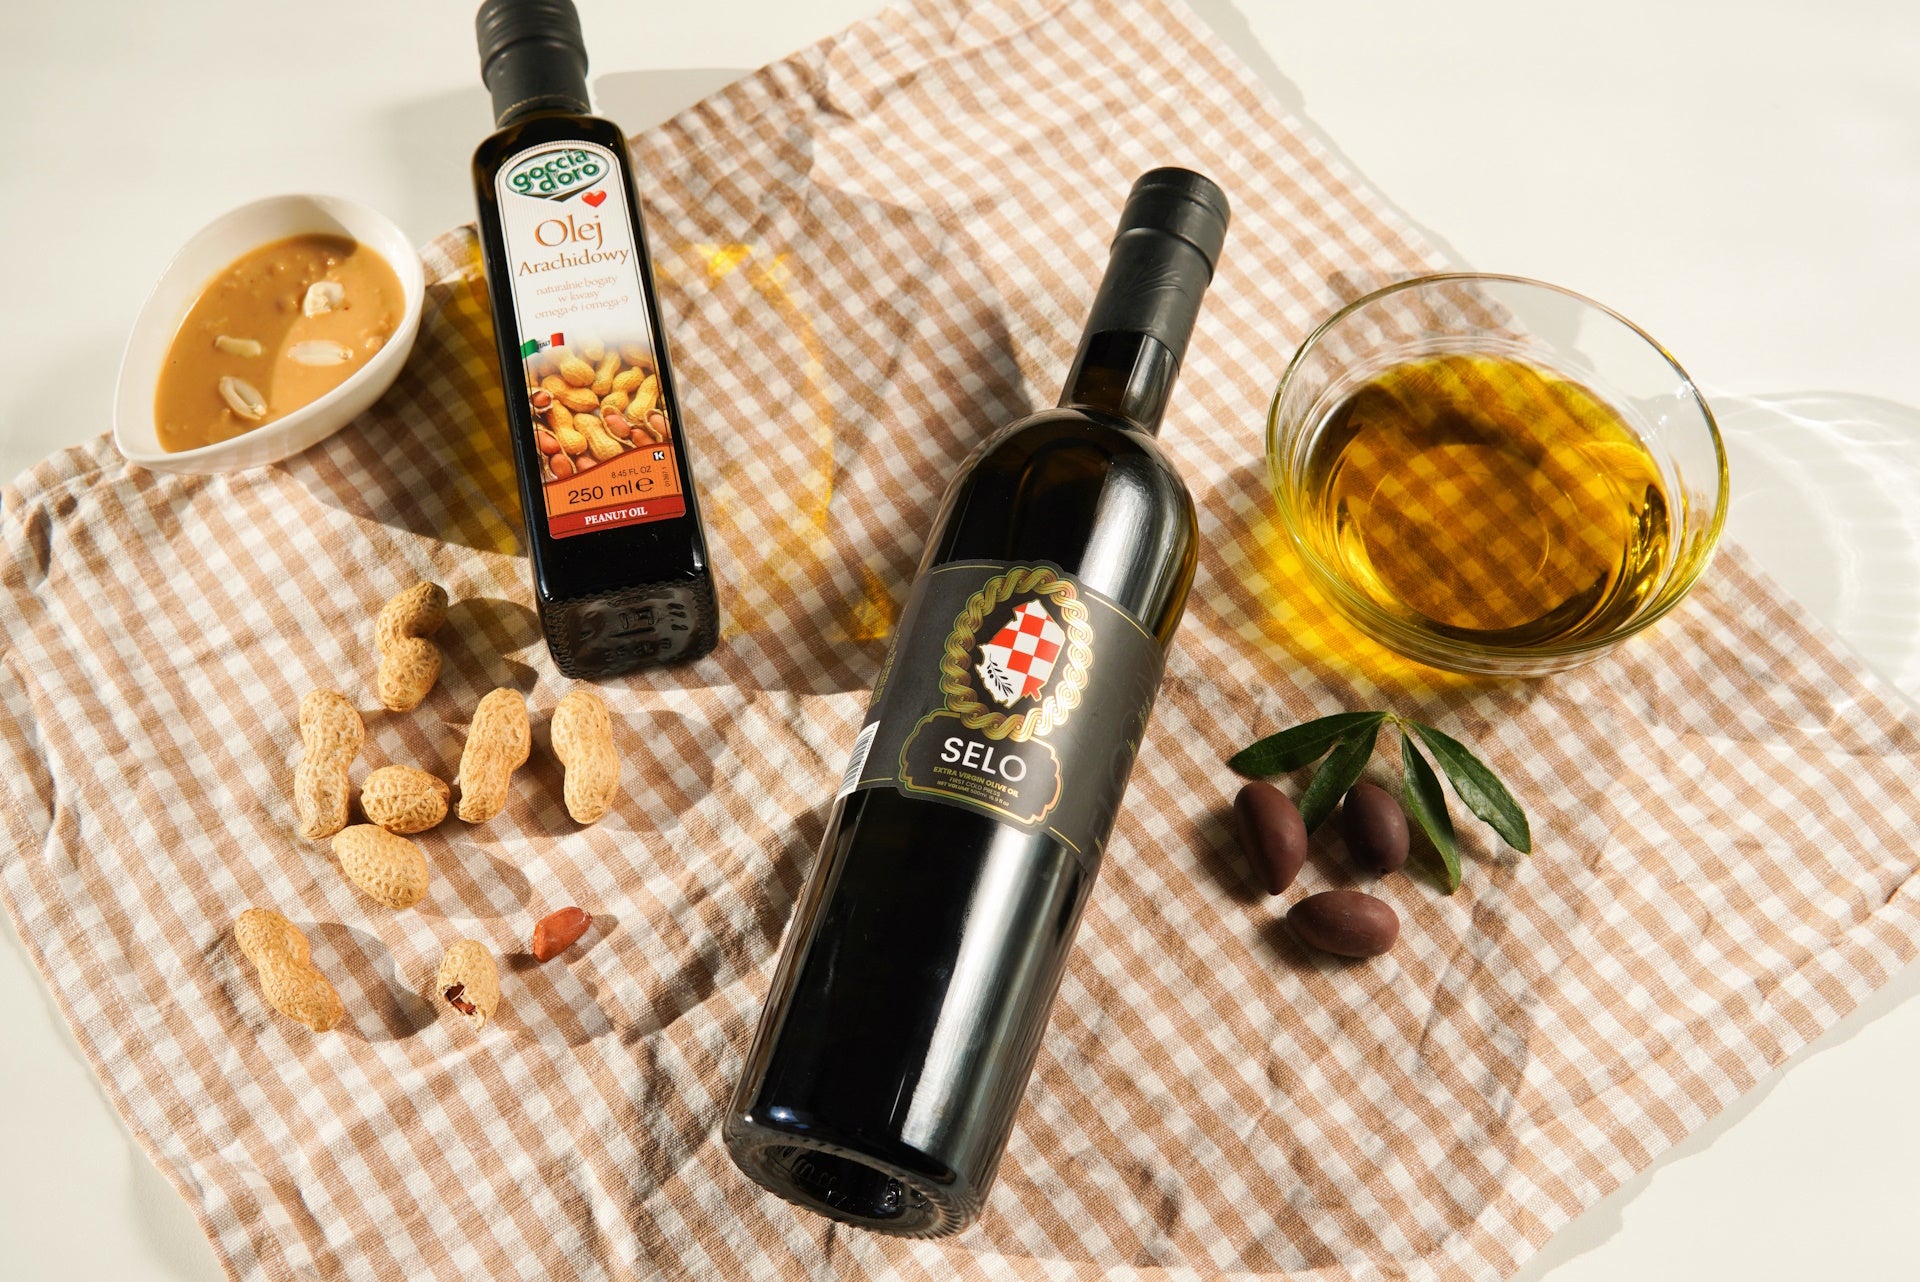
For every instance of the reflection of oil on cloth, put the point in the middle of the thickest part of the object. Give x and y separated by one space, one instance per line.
873 252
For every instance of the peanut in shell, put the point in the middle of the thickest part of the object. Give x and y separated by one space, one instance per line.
409 662
260 931
498 743
606 367
645 397
404 800
583 740
580 400
283 964
601 443
331 733
386 867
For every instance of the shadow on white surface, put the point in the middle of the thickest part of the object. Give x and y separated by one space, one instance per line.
82 366
429 144
430 141
1231 26
167 1225
637 100
1824 495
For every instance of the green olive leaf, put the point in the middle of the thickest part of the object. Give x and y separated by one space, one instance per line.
1425 801
1477 787
1303 744
1337 774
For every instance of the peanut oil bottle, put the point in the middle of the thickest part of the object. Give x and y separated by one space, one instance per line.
621 571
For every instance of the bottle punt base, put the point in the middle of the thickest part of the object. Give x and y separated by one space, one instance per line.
603 636
853 1188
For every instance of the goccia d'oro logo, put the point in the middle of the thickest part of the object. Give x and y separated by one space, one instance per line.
557 174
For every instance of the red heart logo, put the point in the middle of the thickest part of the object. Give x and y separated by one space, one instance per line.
594 198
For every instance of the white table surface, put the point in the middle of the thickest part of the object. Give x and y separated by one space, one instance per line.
1742 179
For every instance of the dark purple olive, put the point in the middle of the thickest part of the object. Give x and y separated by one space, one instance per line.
1272 834
1375 828
1348 923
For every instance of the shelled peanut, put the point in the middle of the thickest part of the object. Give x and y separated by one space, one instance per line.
559 931
592 403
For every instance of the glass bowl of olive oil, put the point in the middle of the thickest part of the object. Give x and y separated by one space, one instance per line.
1494 475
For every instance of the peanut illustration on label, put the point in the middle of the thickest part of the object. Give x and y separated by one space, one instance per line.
592 402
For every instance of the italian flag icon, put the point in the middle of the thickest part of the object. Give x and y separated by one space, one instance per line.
533 345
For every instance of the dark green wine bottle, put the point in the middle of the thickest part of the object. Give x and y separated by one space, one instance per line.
923 957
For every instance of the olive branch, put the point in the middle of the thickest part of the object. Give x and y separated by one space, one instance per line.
1346 741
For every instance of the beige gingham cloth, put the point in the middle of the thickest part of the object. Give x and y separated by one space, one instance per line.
872 253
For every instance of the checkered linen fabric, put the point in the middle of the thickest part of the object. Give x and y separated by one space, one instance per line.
871 254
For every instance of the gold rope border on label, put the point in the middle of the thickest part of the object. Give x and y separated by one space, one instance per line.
956 674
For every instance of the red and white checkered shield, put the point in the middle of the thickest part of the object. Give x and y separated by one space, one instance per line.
1019 659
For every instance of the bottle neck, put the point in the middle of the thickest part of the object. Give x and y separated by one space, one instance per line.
1122 375
535 76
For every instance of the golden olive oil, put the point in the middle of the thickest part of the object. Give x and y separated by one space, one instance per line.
1488 501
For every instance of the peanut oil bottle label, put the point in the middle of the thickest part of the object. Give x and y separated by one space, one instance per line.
1014 691
606 433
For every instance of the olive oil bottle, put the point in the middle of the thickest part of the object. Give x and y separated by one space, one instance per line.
922 960
620 565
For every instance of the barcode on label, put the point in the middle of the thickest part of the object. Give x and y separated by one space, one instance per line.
861 747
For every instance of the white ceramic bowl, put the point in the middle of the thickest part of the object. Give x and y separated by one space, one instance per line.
214 247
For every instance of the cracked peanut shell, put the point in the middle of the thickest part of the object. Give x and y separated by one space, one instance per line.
469 982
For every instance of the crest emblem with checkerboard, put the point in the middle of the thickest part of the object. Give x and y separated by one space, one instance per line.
1017 662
